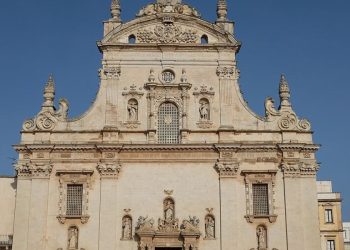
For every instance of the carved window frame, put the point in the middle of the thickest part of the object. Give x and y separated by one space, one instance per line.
252 177
76 178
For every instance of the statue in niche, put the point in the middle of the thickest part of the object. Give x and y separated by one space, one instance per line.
73 238
133 110
204 110
209 227
127 225
262 237
169 210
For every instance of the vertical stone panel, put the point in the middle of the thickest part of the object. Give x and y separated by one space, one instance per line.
21 224
38 214
228 211
108 221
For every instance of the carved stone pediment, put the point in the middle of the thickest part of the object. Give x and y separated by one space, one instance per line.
167 33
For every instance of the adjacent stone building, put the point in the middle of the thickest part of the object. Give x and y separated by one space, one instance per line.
346 228
331 227
169 156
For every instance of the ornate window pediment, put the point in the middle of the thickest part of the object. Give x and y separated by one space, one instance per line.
260 190
74 187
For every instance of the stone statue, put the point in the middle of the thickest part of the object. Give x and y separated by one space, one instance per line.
133 110
204 110
209 227
261 235
127 228
73 238
169 214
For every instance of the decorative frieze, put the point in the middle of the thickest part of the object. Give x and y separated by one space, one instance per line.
34 170
225 72
167 33
110 72
133 92
295 169
227 168
109 170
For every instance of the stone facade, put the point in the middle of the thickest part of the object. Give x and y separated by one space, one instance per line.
169 155
329 206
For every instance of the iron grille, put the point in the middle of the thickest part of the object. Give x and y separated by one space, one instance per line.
74 200
168 124
260 199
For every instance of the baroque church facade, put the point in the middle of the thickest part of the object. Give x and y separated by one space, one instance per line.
169 156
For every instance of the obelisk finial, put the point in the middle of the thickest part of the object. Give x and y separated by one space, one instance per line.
222 10
284 93
49 93
116 10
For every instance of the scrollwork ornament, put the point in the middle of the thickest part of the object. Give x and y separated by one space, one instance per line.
287 122
304 125
46 121
29 125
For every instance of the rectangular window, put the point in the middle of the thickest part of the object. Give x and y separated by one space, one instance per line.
330 245
260 199
329 216
74 200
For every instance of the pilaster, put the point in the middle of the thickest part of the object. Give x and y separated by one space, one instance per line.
226 85
227 168
109 172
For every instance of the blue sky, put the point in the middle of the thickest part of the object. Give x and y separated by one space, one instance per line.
306 40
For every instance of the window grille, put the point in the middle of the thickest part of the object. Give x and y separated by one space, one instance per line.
329 215
74 200
260 199
168 76
168 124
330 245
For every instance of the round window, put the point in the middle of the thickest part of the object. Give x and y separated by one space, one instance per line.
168 76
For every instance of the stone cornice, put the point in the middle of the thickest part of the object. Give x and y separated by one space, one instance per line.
234 147
285 147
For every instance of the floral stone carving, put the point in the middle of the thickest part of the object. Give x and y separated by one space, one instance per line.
167 33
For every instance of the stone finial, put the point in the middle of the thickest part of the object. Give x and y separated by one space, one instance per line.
116 10
49 93
222 10
284 93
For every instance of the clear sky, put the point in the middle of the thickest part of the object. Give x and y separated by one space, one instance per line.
309 41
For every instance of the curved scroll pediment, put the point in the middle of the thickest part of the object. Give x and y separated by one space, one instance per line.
168 29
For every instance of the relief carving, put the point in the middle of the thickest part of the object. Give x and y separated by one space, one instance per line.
210 227
109 170
167 33
110 72
145 224
127 228
73 238
225 72
173 6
